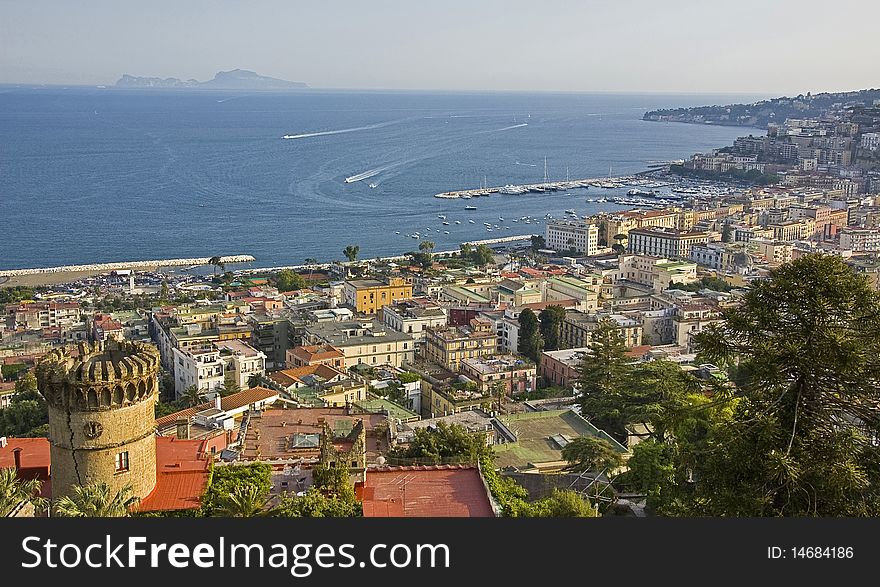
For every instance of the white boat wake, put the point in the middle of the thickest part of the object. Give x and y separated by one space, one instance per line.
522 124
373 172
340 131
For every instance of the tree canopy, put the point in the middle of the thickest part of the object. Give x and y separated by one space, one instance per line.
797 436
551 319
530 341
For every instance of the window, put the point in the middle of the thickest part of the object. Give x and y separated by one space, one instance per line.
122 462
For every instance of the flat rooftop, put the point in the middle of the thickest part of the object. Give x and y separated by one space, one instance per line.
272 431
535 432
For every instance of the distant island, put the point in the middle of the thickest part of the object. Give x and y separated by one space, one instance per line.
760 114
237 79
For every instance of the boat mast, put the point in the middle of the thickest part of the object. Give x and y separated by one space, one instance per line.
546 180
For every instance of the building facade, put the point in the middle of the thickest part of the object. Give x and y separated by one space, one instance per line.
668 243
570 235
367 296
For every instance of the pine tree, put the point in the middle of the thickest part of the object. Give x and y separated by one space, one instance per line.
530 342
602 372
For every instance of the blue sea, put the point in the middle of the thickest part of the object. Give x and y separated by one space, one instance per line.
100 175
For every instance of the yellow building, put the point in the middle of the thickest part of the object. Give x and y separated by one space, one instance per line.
449 346
367 296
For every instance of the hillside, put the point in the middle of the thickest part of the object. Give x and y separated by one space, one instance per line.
759 114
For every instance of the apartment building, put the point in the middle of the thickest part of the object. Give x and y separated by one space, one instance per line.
367 296
512 374
449 346
572 235
241 360
363 342
860 240
414 317
664 242
578 327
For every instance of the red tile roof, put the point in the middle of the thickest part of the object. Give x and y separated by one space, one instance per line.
317 352
182 473
35 460
638 352
228 403
425 492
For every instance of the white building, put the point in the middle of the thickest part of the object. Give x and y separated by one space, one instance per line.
871 140
241 360
860 240
202 368
566 235
413 316
668 243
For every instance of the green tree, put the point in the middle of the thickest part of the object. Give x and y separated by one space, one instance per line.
96 500
314 504
726 233
530 342
444 443
26 414
351 252
192 396
806 344
562 503
245 501
603 370
482 255
333 481
618 246
538 243
589 453
551 319
14 491
289 280
229 385
257 380
225 479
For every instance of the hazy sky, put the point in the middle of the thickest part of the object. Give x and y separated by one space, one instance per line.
750 46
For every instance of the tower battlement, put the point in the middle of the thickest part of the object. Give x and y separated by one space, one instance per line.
98 376
101 400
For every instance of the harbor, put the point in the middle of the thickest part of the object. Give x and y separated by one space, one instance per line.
550 186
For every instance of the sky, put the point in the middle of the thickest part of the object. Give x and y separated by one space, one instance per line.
772 47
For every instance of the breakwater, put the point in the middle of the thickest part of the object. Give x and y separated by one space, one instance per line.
226 260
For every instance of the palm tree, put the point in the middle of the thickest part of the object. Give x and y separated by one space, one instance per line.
427 246
14 491
192 396
256 380
245 501
96 500
351 252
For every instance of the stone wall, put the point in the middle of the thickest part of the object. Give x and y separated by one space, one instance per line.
101 400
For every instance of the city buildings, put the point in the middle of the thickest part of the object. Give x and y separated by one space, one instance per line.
571 235
666 242
367 296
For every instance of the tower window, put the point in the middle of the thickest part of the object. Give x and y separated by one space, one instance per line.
122 462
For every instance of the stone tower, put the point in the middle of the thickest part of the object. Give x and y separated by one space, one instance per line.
101 414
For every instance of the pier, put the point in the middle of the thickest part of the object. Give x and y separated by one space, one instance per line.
545 186
229 259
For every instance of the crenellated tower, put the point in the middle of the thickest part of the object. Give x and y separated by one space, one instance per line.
101 401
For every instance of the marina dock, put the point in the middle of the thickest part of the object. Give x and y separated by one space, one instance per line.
542 187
